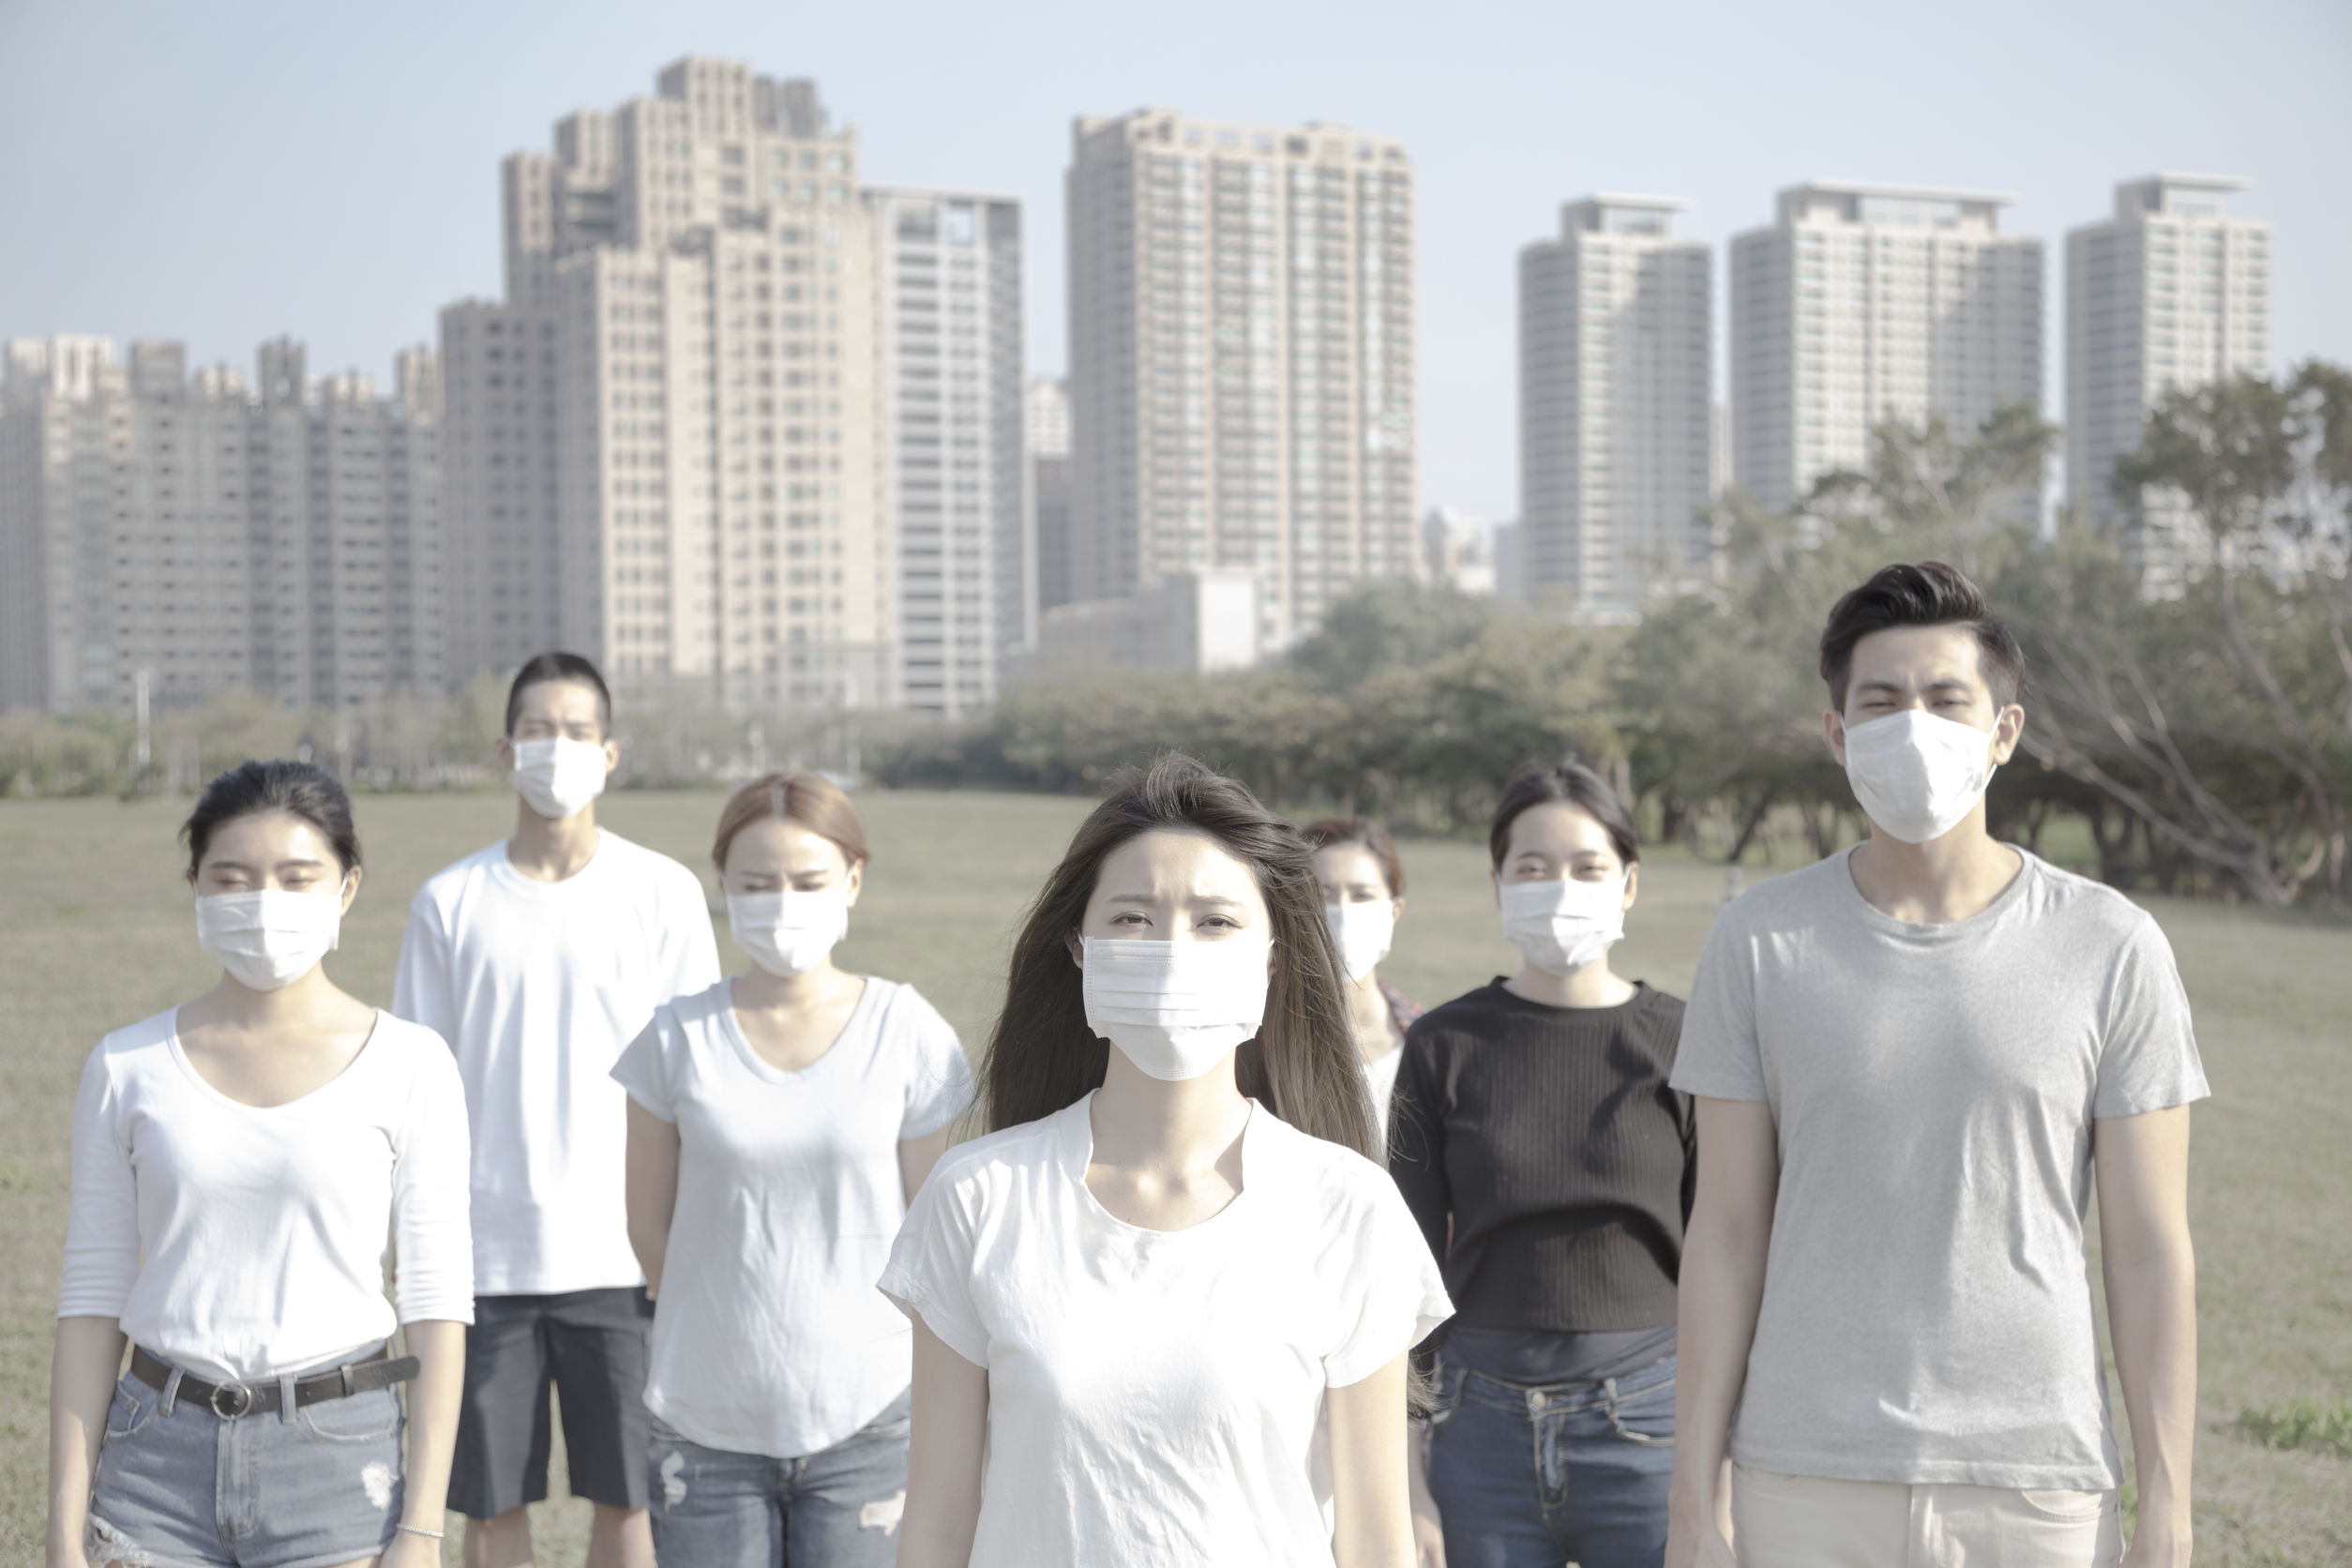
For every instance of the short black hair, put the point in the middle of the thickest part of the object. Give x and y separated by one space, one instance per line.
542 667
1534 784
302 790
1927 595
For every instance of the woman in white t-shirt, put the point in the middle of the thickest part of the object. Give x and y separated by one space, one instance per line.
1363 899
779 1123
239 1163
1162 1311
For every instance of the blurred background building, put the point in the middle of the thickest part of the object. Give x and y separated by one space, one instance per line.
672 436
2172 291
1197 623
1615 386
195 533
1242 359
1863 303
962 533
758 436
1457 549
1050 486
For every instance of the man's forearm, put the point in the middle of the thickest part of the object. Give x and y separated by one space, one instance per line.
2151 1314
1722 1289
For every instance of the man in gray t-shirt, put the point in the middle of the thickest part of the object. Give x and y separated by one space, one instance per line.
1909 1058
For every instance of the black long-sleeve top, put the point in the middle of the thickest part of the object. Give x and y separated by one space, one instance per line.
1550 1168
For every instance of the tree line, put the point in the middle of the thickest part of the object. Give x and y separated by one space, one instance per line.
2198 720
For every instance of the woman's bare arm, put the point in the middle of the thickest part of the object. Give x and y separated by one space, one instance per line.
950 1431
1370 1489
653 1190
82 1376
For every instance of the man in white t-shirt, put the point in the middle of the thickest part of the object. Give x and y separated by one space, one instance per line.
539 960
1911 1059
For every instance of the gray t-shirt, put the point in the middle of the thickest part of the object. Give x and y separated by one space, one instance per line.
1927 1309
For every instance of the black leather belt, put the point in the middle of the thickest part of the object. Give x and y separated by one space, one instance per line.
231 1400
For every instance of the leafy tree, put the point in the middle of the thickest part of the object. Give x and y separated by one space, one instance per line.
1388 626
2219 716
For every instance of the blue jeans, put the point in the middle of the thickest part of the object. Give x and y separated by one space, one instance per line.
1533 1477
836 1509
292 1488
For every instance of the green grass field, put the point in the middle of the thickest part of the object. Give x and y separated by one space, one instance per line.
95 924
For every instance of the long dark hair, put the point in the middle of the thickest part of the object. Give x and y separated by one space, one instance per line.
1303 1065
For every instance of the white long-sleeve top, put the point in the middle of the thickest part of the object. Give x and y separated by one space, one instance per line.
538 987
239 1242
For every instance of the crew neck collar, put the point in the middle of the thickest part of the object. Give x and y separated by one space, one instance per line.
503 865
1501 987
1962 930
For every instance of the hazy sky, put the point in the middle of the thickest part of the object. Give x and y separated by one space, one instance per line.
223 171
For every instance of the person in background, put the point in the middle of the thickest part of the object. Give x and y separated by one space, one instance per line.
238 1163
1363 899
1163 1308
779 1123
1915 1063
1551 1168
539 959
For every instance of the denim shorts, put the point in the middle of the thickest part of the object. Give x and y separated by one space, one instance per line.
181 1488
836 1509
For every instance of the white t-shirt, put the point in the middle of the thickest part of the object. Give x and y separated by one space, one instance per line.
538 987
769 1337
1157 1396
238 1241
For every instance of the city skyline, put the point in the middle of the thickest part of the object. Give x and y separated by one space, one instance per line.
358 267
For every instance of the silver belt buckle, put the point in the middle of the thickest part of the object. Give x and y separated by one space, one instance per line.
231 1400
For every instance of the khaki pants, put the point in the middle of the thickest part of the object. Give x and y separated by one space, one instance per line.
1805 1521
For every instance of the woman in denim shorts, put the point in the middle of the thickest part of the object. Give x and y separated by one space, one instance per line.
239 1162
779 1123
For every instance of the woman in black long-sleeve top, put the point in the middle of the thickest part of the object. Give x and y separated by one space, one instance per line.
1551 1169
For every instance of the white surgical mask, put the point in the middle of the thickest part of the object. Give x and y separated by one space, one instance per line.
269 939
1361 932
1917 774
790 933
1175 1009
1560 926
558 775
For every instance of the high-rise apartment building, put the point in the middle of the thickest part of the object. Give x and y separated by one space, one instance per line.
281 534
670 450
2171 292
1614 382
1457 549
1241 358
1050 487
1864 302
950 289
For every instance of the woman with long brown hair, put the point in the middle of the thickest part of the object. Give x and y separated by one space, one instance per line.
1167 1297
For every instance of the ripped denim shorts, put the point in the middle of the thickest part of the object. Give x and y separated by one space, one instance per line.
179 1486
